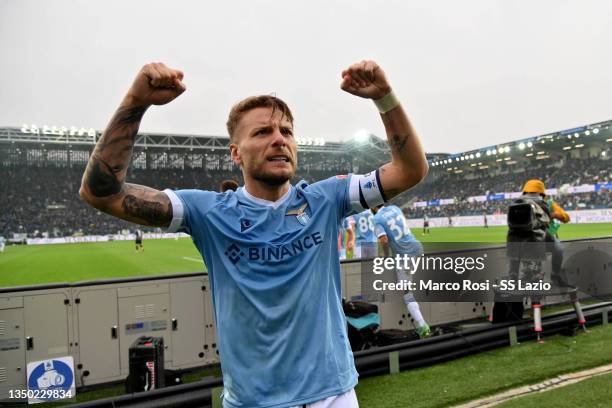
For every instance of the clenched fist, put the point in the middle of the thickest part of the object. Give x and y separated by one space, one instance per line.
365 79
156 84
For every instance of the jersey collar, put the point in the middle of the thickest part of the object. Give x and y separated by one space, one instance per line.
274 204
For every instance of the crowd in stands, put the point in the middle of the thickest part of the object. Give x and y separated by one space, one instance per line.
44 201
458 187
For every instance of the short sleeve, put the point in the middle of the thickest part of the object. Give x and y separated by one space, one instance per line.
379 230
345 192
188 207
335 189
348 222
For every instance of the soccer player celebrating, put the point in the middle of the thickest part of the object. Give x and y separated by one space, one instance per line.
270 247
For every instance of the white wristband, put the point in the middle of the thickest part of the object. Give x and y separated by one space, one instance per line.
387 102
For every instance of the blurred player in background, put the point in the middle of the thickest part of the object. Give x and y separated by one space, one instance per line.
228 185
346 240
393 232
271 247
139 236
365 239
2 243
425 224
486 221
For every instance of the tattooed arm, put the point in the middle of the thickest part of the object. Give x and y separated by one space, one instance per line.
408 164
103 185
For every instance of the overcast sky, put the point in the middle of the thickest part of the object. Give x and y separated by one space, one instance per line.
469 73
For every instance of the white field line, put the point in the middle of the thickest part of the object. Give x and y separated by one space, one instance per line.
556 382
192 259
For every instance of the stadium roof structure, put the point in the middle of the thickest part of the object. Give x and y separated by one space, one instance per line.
370 148
373 149
82 136
595 138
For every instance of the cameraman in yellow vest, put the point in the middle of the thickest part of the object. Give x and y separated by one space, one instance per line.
558 216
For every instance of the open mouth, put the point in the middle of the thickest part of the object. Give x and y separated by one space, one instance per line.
279 158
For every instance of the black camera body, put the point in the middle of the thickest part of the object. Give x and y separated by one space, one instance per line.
528 222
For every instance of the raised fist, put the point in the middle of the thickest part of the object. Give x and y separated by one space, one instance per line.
156 84
365 79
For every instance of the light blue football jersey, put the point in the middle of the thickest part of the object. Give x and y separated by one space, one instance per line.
275 279
364 227
390 221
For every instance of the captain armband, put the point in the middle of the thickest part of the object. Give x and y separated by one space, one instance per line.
365 191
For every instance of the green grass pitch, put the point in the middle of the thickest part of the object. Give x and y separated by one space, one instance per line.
39 264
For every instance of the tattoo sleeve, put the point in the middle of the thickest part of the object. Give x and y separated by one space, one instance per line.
108 164
146 204
106 170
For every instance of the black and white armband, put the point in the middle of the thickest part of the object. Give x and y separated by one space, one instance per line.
365 191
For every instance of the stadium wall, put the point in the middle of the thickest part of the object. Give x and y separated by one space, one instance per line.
103 238
577 217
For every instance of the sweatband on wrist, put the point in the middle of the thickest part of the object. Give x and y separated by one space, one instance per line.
387 102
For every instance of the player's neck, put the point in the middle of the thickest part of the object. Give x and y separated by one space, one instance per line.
266 191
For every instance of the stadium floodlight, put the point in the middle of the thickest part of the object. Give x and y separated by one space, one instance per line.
576 135
603 153
596 130
494 151
472 156
488 153
608 140
361 136
567 147
522 146
529 144
456 159
478 154
578 146
587 132
507 149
